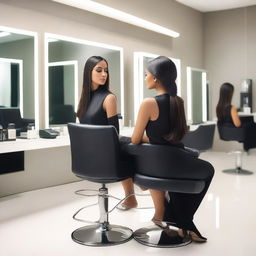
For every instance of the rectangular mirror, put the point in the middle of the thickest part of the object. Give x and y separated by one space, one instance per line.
141 60
18 72
197 95
63 92
11 83
66 58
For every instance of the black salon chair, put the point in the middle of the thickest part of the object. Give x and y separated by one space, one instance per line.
12 115
201 138
171 169
239 134
96 157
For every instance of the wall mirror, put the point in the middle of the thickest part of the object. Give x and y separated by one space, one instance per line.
18 72
65 60
141 60
197 95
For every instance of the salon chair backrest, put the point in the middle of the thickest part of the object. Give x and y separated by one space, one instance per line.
169 168
201 138
95 153
10 115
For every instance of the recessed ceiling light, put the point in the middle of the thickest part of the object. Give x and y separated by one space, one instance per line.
110 12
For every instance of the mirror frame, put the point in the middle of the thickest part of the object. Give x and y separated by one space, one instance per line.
189 94
84 42
139 78
36 81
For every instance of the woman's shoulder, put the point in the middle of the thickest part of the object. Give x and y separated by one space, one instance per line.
148 102
111 97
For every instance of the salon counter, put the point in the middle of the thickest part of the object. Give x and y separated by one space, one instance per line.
32 144
39 143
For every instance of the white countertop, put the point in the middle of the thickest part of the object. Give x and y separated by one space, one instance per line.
32 144
39 143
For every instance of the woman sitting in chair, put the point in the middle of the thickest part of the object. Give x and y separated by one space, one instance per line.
98 105
161 120
227 116
226 113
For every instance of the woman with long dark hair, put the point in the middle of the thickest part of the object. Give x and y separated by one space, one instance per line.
226 113
228 116
161 120
98 105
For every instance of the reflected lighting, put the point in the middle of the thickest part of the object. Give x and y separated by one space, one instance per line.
51 40
3 34
110 12
217 209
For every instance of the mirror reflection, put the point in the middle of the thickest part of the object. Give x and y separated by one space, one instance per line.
65 79
197 99
62 92
11 84
141 60
17 78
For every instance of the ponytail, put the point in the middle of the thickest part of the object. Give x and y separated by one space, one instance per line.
178 120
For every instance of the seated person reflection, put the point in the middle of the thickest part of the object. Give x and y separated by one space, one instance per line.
228 116
98 105
161 120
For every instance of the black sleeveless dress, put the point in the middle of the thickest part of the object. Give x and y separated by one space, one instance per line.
157 130
250 134
180 208
95 113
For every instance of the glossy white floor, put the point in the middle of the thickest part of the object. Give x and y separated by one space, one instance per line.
39 223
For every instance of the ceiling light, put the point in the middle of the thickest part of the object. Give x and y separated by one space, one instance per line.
3 33
110 12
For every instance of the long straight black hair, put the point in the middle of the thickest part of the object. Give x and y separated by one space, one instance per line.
87 84
178 120
226 94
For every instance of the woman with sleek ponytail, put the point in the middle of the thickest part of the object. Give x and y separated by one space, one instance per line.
161 120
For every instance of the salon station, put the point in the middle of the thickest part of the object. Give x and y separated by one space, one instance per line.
44 45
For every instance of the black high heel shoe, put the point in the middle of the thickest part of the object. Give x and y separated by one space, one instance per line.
198 238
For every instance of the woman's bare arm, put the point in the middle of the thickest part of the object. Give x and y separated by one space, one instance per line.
110 105
235 118
144 115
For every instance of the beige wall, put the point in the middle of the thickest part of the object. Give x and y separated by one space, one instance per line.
230 50
46 16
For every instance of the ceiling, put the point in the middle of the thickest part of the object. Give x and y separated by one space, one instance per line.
216 5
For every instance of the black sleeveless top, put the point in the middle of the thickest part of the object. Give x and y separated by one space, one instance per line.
95 113
156 130
229 121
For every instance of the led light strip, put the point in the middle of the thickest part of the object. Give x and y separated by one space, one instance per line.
110 12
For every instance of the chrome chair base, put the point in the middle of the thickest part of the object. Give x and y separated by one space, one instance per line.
237 171
155 236
100 235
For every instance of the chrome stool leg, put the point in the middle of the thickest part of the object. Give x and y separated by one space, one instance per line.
238 165
103 233
167 237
